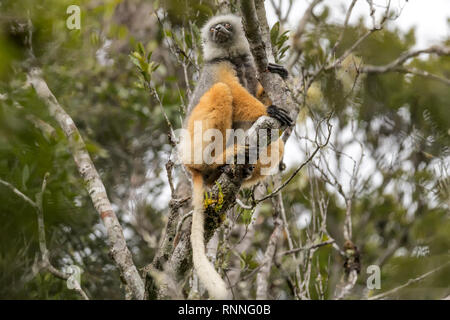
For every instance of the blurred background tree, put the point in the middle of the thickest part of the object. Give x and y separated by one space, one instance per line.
387 162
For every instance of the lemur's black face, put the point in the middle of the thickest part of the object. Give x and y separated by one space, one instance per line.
221 32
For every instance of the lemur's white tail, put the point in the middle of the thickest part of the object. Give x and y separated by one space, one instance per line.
205 270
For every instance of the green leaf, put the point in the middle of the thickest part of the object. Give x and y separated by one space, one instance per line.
274 33
135 61
141 49
149 56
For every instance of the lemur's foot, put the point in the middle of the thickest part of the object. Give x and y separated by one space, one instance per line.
276 68
280 114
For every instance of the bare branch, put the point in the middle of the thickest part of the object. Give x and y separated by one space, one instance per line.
372 12
20 194
40 216
347 285
425 74
344 28
438 50
338 61
264 28
397 64
262 279
302 24
296 38
279 10
285 183
314 246
409 282
45 260
178 206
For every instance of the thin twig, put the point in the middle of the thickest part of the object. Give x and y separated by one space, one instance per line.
438 50
45 260
20 194
344 28
314 246
296 39
409 282
319 146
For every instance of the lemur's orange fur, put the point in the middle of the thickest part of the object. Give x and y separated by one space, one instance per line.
226 97
225 103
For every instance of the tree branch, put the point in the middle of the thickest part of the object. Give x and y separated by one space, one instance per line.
20 194
45 256
262 278
397 64
314 246
273 84
347 18
93 183
392 66
296 171
409 282
423 73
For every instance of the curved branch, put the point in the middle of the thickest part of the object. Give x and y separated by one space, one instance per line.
423 73
93 183
45 263
438 50
409 282
19 193
397 64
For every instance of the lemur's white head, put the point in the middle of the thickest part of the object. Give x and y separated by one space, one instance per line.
223 36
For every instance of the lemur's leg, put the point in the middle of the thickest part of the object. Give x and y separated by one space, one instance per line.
248 108
214 111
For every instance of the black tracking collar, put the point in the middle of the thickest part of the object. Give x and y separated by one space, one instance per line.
234 60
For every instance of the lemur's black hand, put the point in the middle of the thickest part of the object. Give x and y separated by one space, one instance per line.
248 171
280 114
276 68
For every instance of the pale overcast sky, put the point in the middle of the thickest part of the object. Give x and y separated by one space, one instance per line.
429 16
